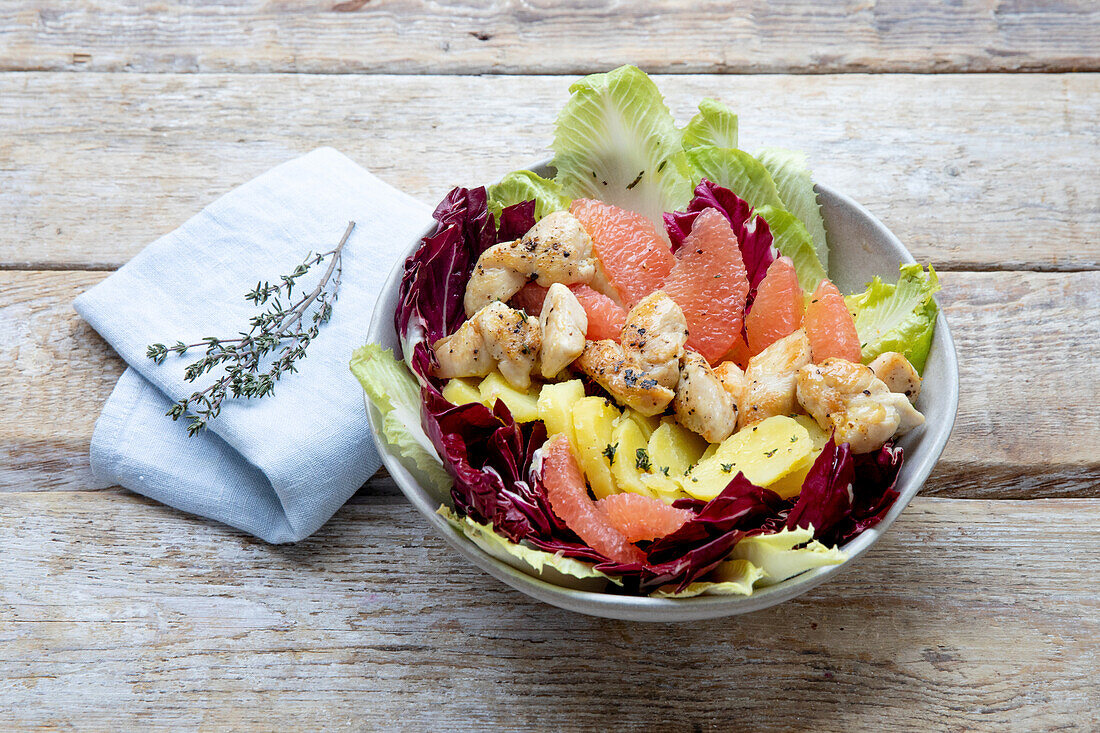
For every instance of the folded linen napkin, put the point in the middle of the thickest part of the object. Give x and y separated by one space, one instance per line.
280 466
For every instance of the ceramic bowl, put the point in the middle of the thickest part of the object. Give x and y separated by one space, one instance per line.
860 248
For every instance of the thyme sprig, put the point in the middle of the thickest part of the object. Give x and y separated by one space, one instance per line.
277 338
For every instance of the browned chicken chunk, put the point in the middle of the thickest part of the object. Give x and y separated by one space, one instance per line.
497 337
851 400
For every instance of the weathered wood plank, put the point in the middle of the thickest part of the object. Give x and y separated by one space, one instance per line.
450 37
1021 340
970 615
970 171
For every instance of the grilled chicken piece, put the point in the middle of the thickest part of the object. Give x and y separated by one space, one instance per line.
496 337
654 335
702 403
556 250
606 363
772 378
563 323
733 379
644 367
897 374
851 400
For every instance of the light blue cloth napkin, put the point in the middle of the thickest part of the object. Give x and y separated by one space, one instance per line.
280 466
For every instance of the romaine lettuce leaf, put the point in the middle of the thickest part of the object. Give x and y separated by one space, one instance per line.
736 170
791 173
898 317
715 124
731 578
520 186
786 553
393 390
790 237
615 140
549 566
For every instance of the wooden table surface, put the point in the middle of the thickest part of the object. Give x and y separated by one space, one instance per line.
979 610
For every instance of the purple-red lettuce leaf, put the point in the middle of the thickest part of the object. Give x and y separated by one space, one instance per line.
487 454
874 488
753 235
844 494
516 220
705 540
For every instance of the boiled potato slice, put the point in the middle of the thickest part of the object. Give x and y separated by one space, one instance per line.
555 407
647 423
663 487
593 423
461 391
765 452
672 448
791 484
631 457
522 405
818 436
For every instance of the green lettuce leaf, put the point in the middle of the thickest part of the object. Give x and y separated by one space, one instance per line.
731 578
791 173
615 140
392 389
520 186
715 125
736 170
549 566
898 317
786 553
790 237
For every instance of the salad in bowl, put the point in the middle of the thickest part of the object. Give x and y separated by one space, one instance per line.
628 372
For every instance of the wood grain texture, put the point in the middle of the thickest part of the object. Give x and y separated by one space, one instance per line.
541 36
1015 333
972 172
119 612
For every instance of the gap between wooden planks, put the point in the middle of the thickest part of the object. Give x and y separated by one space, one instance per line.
979 172
116 609
569 37
1024 428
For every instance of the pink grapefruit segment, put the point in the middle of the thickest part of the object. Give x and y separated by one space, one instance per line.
605 317
777 310
738 353
569 499
634 255
709 283
642 517
829 326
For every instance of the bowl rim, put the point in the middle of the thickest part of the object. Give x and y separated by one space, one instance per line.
646 608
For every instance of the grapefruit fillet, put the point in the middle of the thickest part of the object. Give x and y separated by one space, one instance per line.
829 326
634 255
642 517
777 310
739 352
709 283
570 501
605 317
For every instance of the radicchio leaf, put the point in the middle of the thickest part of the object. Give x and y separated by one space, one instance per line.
845 494
705 540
